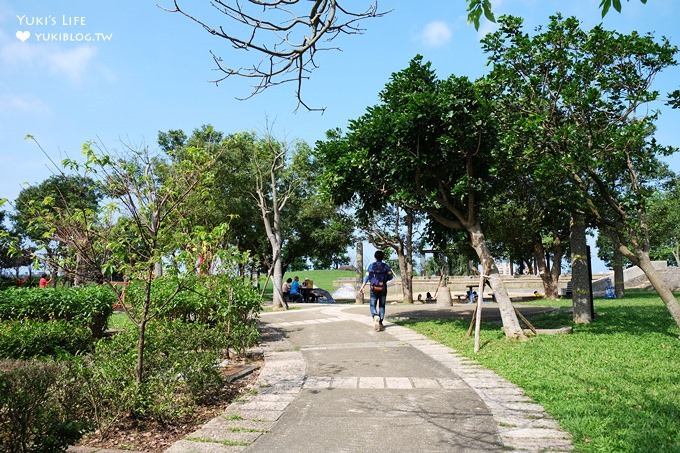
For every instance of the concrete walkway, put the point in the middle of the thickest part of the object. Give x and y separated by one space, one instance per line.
330 383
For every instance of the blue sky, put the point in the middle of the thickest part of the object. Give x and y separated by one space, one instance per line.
148 70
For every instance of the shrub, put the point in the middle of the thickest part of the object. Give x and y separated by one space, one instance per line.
229 303
31 339
90 305
39 407
180 365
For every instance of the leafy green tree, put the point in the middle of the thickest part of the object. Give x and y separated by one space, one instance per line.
37 211
229 197
316 228
477 8
429 144
528 223
572 109
664 223
312 228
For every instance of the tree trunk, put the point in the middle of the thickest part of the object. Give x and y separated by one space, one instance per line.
277 283
407 279
139 369
359 298
78 277
619 288
511 324
641 259
141 338
550 276
580 278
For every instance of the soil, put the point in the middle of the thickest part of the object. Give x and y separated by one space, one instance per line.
156 437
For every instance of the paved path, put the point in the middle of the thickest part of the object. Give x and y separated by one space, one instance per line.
330 383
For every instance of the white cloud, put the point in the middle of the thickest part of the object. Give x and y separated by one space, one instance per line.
436 34
25 104
73 63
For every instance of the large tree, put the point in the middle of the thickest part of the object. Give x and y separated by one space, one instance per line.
59 196
529 229
664 223
429 144
577 102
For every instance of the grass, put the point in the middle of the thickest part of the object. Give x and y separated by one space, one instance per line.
322 279
119 321
613 384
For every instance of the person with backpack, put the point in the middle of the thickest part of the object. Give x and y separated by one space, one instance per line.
377 276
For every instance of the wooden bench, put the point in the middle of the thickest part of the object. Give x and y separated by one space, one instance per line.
568 291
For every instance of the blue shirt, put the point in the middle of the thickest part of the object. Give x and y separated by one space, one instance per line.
295 287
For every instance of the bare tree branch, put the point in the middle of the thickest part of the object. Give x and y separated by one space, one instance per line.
285 33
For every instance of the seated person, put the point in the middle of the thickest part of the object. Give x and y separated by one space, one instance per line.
285 289
307 294
295 294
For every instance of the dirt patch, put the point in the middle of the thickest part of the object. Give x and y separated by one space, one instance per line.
156 437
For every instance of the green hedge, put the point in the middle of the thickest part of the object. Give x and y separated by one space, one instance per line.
90 306
32 339
228 303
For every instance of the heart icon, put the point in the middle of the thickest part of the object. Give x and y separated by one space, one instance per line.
23 35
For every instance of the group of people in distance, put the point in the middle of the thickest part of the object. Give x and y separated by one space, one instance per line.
294 291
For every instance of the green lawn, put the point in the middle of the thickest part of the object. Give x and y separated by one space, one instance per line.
614 384
322 279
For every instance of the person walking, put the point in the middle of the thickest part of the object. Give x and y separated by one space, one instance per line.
377 276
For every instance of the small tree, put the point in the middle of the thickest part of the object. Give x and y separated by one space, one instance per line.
149 206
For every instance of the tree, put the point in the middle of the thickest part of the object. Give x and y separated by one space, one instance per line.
478 7
613 258
575 102
394 228
525 228
664 223
36 213
429 144
139 229
275 183
228 198
314 229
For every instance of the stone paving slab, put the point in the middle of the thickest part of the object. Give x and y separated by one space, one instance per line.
292 405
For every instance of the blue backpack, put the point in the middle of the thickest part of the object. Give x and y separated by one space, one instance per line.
378 277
